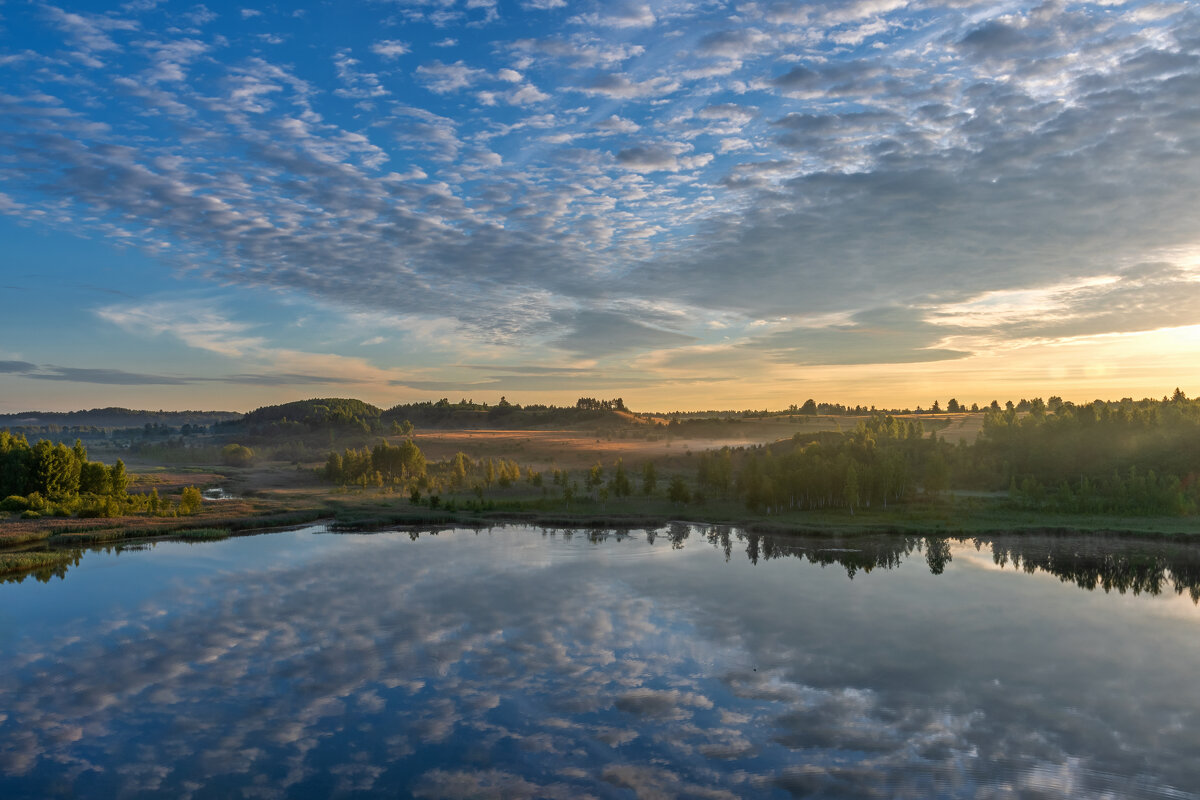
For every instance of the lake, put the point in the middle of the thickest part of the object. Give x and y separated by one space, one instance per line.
688 661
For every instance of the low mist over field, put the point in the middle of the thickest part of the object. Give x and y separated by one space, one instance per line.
689 205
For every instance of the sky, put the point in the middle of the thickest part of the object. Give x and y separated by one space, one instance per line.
690 204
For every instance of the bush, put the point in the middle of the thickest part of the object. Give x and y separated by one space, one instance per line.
189 500
14 502
237 455
30 514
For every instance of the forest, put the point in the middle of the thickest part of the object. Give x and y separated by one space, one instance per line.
1127 458
1105 458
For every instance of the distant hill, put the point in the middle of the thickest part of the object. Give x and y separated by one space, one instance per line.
316 412
304 417
114 418
466 414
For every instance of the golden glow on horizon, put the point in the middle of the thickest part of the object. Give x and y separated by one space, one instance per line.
1080 369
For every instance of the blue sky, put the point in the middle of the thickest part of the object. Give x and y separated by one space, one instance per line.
689 204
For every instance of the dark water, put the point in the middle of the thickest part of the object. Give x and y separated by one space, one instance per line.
683 662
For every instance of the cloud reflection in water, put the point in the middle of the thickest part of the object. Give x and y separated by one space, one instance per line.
519 664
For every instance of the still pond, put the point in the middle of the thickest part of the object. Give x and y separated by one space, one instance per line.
688 661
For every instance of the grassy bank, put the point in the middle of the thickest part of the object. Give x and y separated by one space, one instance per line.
365 510
39 561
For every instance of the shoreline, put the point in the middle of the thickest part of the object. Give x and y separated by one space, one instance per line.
52 548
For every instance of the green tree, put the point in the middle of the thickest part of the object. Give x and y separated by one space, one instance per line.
333 468
458 470
189 501
94 479
620 484
595 476
236 455
118 480
649 478
850 488
937 474
677 490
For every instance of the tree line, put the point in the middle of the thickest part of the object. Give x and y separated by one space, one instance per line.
1125 457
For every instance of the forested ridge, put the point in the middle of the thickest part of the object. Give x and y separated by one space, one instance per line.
114 417
1127 457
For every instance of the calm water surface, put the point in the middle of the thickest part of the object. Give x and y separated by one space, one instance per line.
687 661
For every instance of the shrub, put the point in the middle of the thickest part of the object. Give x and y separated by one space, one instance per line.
189 500
237 455
14 502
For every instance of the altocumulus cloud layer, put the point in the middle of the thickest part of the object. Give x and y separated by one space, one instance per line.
690 184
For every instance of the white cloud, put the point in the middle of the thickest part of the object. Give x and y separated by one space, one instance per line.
620 86
618 14
444 78
617 124
390 48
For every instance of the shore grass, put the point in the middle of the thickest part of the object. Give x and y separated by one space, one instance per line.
204 533
14 563
366 510
964 516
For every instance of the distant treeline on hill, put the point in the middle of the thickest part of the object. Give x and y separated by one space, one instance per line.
113 417
355 416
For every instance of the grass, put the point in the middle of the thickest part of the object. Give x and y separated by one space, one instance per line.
205 533
92 536
24 536
14 563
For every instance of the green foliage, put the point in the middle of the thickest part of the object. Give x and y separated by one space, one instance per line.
467 413
55 471
189 501
677 490
649 478
94 478
236 455
383 464
44 559
14 502
301 416
1127 457
620 485
595 476
205 533
118 481
874 464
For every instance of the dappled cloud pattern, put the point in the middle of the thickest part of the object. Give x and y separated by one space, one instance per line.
597 181
520 663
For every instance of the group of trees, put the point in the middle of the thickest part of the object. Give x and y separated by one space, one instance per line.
384 464
1139 457
880 462
592 404
49 478
55 471
1126 457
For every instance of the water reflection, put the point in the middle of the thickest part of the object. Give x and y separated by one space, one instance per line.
1094 561
522 663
